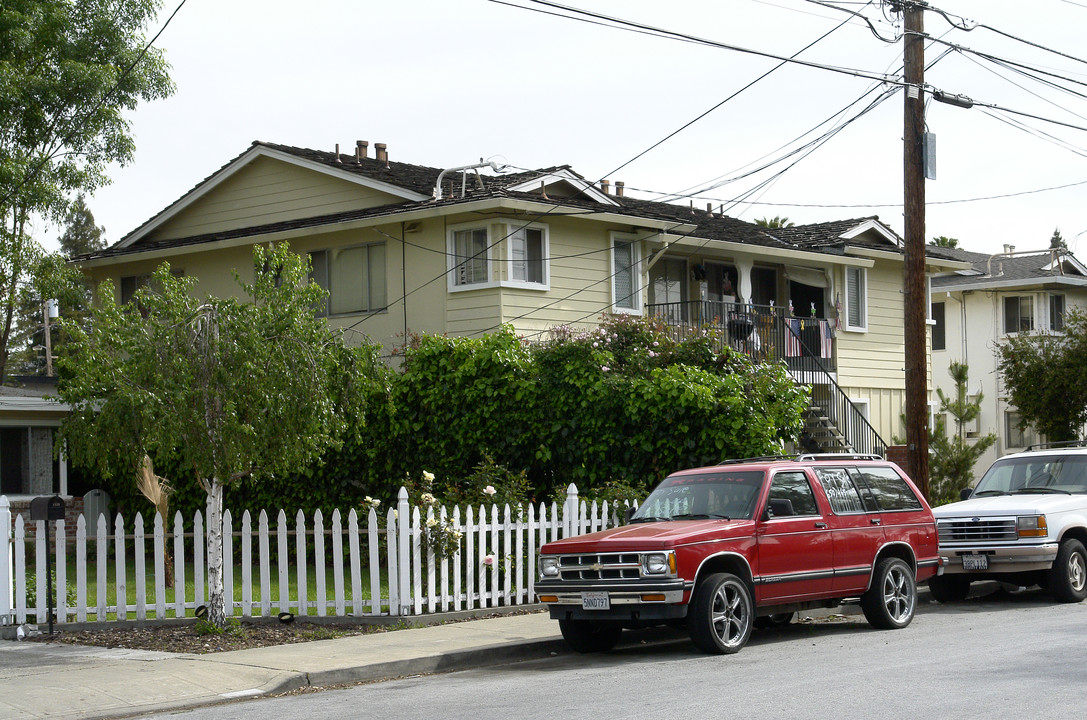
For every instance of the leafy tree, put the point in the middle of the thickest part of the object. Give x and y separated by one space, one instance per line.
944 242
774 222
68 70
1046 378
224 390
81 234
953 458
53 279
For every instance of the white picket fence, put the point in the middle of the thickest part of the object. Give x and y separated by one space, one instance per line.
376 568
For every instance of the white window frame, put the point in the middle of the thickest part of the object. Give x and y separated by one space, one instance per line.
1064 312
862 276
515 228
1004 312
636 273
1029 434
451 250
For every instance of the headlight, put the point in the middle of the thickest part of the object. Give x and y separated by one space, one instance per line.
1032 526
549 566
663 563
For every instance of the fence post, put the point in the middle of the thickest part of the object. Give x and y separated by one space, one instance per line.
570 512
403 547
7 577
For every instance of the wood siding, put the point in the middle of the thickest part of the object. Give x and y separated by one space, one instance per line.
268 191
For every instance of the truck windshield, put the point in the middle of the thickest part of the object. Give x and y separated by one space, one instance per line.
1035 474
717 494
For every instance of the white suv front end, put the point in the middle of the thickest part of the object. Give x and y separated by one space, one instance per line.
1024 523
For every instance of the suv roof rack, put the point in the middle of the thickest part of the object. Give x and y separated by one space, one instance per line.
761 458
840 456
1056 445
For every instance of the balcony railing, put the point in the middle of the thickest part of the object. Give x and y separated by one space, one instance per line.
805 345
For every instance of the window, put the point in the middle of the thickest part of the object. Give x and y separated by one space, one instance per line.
1056 313
354 278
1018 314
939 331
668 286
890 491
856 299
625 294
1016 436
130 284
840 490
527 252
793 487
470 257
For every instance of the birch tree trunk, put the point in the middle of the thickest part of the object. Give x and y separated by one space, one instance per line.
216 605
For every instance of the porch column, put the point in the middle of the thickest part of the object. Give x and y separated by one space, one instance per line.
743 269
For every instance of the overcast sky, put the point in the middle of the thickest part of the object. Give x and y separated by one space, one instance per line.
447 82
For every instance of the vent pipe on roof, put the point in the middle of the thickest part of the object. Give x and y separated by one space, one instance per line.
380 153
1008 249
476 166
620 187
337 158
361 149
605 186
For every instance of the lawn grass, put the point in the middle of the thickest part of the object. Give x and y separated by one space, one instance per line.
190 591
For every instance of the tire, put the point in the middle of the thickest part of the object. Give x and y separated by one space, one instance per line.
722 614
1068 578
892 598
589 636
772 621
949 588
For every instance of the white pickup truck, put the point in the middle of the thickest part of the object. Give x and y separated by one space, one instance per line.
1024 523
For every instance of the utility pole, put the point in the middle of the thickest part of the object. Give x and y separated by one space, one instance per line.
914 271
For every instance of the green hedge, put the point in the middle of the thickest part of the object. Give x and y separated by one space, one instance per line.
612 411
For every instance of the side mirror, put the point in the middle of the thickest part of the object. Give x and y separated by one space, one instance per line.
965 493
628 514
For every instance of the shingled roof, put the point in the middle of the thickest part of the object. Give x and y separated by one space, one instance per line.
417 183
1011 269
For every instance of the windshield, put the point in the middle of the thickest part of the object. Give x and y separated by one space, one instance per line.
719 494
1035 474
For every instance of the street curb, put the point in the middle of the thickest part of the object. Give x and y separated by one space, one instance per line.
456 660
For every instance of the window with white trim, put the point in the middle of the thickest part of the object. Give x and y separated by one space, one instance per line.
939 328
856 299
528 254
470 249
353 276
1018 314
625 274
1056 312
1015 434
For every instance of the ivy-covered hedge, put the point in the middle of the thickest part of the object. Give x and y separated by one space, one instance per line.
612 410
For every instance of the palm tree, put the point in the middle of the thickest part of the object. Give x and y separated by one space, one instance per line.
774 222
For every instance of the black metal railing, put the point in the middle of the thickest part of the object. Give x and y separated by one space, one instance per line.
804 344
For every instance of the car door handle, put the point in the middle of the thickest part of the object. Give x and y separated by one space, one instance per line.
875 521
821 525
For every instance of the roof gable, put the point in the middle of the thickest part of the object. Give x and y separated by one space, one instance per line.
263 177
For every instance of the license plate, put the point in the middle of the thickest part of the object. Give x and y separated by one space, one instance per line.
975 562
595 601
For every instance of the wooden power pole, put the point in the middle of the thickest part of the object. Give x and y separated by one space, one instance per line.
914 273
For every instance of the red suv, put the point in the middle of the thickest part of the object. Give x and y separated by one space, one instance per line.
744 544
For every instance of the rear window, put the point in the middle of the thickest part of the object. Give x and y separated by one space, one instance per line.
888 488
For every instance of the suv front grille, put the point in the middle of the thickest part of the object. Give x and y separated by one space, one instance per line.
968 530
600 566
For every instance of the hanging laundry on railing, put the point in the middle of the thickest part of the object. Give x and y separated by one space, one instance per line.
792 338
826 340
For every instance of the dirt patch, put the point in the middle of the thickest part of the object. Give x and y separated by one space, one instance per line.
199 639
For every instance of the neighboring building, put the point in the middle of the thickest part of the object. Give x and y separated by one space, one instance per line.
974 310
406 248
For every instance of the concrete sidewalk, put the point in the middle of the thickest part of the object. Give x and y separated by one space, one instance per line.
46 680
